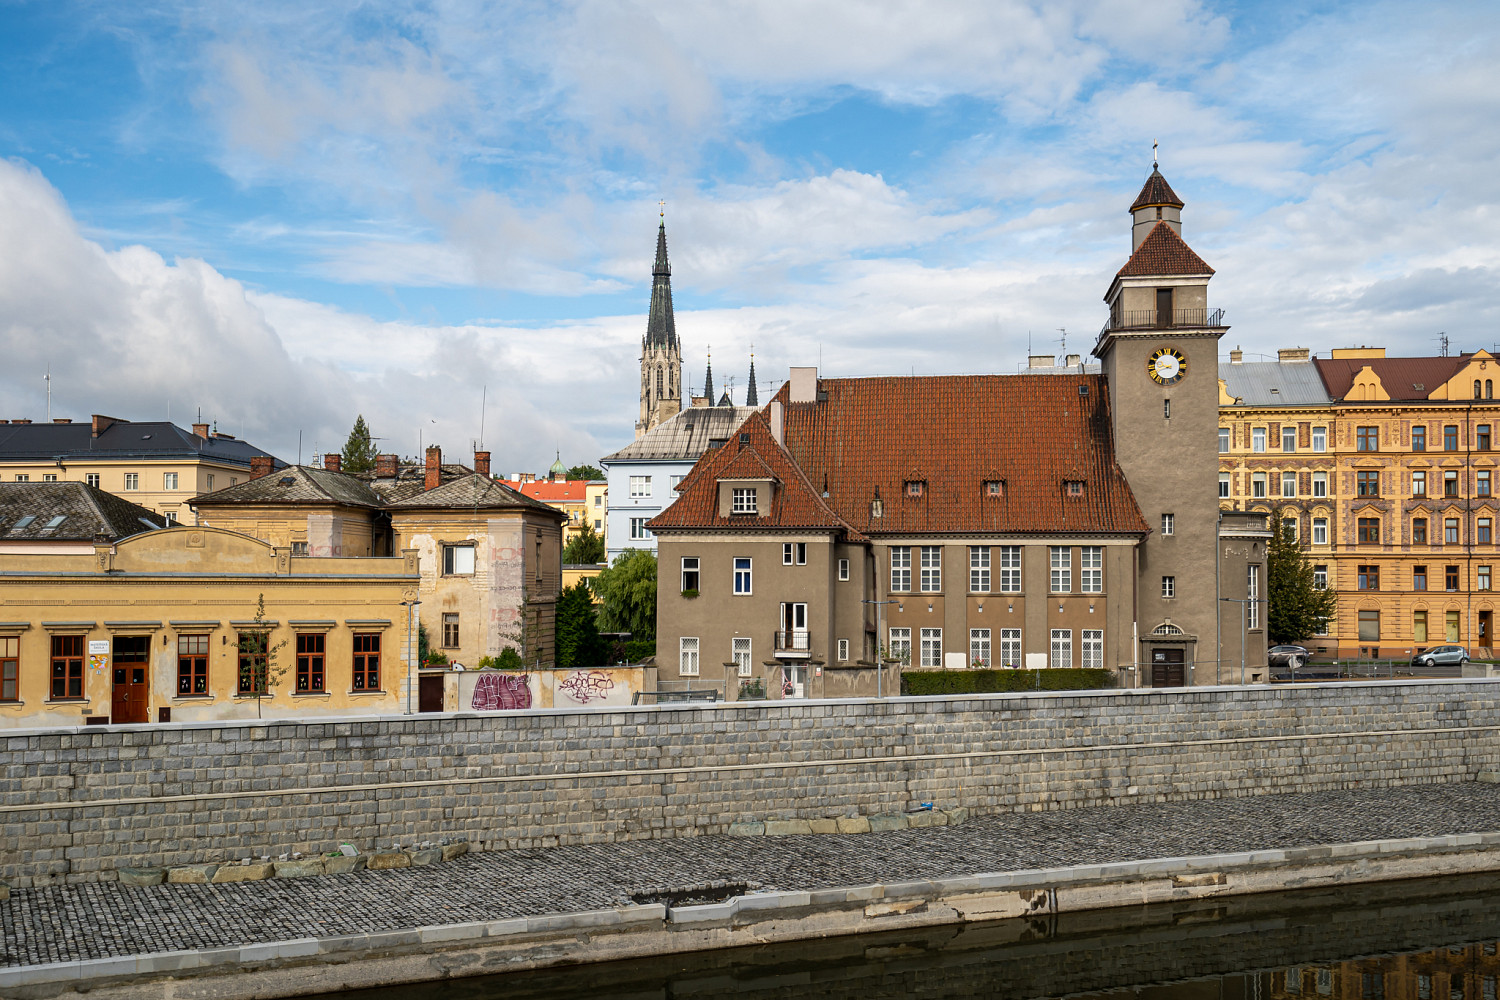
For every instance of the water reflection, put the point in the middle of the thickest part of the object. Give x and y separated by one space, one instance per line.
1425 940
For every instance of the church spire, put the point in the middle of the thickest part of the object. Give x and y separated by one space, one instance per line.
661 354
708 380
750 397
661 327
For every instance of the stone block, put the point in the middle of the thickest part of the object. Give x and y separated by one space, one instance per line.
428 856
747 829
344 864
926 818
787 827
191 874
889 821
253 872
141 876
957 815
853 824
451 851
4 891
824 825
299 869
389 859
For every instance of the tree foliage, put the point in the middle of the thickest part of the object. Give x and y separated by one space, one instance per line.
578 642
585 548
359 450
589 472
628 592
260 668
1297 608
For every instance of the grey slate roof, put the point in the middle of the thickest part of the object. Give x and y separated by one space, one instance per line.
471 491
685 437
87 513
297 484
460 486
1274 383
123 439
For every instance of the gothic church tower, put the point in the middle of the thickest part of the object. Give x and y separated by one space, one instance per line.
661 353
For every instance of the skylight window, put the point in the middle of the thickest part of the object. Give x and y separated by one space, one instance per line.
287 480
25 522
59 519
149 525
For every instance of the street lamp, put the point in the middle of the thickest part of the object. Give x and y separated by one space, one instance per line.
411 659
879 667
1244 626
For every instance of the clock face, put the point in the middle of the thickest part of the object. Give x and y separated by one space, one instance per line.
1167 365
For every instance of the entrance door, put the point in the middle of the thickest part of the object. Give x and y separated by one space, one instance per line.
1485 622
429 692
794 627
1167 668
131 694
793 681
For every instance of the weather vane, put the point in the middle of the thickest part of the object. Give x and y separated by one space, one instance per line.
663 204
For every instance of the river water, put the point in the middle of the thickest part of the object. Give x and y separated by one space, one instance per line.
1420 940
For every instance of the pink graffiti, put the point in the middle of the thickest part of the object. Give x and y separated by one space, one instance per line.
588 685
500 692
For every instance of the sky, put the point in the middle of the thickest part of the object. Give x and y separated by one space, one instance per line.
441 214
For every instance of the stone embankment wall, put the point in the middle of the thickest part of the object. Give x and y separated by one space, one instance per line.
77 804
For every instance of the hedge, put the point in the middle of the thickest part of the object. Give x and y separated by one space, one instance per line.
930 682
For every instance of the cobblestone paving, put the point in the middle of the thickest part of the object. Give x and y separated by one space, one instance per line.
98 920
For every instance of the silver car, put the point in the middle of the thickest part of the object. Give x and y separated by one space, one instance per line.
1441 656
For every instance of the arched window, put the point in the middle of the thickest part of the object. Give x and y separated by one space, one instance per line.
658 381
1476 388
1489 388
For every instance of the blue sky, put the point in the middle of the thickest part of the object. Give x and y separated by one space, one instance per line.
289 213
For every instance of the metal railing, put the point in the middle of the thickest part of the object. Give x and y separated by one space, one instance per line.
797 640
1147 319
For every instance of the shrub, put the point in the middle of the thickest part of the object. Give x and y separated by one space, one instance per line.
509 659
937 682
752 690
637 650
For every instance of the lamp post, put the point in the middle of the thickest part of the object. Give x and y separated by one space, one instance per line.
411 659
879 666
1244 625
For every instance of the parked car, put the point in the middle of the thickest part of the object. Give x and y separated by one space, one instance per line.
1292 656
1441 656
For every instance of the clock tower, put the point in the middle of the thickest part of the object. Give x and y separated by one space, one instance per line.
1160 353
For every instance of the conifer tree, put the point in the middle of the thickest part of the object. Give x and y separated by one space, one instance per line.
359 450
1298 609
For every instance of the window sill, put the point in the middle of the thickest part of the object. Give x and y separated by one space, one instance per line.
192 697
370 692
59 701
310 694
12 704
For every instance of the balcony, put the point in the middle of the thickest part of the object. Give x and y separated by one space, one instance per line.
1163 319
795 643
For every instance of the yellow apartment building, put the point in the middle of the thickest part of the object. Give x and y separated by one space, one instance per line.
583 501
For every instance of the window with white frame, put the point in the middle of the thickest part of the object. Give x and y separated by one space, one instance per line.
92 478
1288 437
638 529
979 569
169 480
932 647
132 480
932 569
1093 648
1257 439
843 569
1320 531
1258 485
979 647
672 481
1289 484
1320 484
51 477
1168 524
900 644
900 567
1091 568
458 560
1320 439
1320 577
794 553
689 573
1062 569
1223 440
1223 486
1010 569
1169 586
742 575
1062 649
687 656
640 486
1252 593
843 649
1010 648
742 500
208 481
740 652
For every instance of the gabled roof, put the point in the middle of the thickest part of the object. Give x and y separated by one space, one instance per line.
472 492
296 484
119 440
1274 383
87 513
1402 378
685 436
555 491
1156 192
1163 253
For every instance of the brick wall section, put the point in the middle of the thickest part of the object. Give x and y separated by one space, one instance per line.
203 792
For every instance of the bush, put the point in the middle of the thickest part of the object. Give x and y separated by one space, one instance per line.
935 682
752 690
637 650
509 659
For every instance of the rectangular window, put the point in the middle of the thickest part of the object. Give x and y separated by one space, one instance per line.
740 648
1223 440
92 479
979 647
1369 530
900 568
672 482
132 480
1320 531
1450 531
1091 569
1288 437
1450 437
450 630
299 548
843 649
169 480
49 477
192 664
1367 439
10 668
1418 483
1291 528
932 569
1419 531
1093 649
742 500
689 573
1482 483
1010 569
1223 486
1169 586
1482 531
742 567
1252 594
1482 437
1062 649
687 656
1450 483
310 661
1320 439
1010 648
1257 439
1482 578
67 666
1369 625
640 486
1258 485
1168 524
23 477
843 569
253 649
1320 577
1419 438
1369 578
208 481
1450 578
367 661
1320 484
932 647
638 529
458 560
1419 578
1367 483
979 569
794 553
1450 626
900 644
1419 627
1062 569
1288 484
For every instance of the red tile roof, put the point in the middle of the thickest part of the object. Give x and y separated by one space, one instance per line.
1400 377
1156 192
1163 252
548 491
953 434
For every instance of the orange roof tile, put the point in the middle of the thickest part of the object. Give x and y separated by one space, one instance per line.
1156 191
1163 252
548 491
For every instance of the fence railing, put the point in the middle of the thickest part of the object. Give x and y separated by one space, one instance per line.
797 640
1142 319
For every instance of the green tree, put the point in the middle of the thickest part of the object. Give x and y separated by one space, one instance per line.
359 450
260 667
585 472
1297 608
578 642
628 592
585 548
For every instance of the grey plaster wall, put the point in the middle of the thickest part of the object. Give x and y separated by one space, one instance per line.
76 804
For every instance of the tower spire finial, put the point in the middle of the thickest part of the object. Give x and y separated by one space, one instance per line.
1153 154
662 204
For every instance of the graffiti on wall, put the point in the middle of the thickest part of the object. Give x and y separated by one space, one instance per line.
501 692
507 573
585 686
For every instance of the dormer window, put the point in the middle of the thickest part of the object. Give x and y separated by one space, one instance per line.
914 487
994 488
1073 487
742 500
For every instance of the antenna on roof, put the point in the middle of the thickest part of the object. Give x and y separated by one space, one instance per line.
484 392
48 379
299 446
1442 339
1064 331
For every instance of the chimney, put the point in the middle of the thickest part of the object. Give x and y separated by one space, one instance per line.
333 462
1236 356
482 463
778 416
387 466
201 430
1294 354
804 386
1074 360
101 423
21 420
1041 361
260 465
62 420
434 477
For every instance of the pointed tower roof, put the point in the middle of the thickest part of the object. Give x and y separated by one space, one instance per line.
1155 192
724 400
557 467
750 397
661 327
708 382
1163 253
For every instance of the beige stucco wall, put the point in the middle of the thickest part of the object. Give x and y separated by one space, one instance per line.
329 530
193 478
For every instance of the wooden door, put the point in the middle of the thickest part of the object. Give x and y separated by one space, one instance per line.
429 692
1164 307
130 695
1168 668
